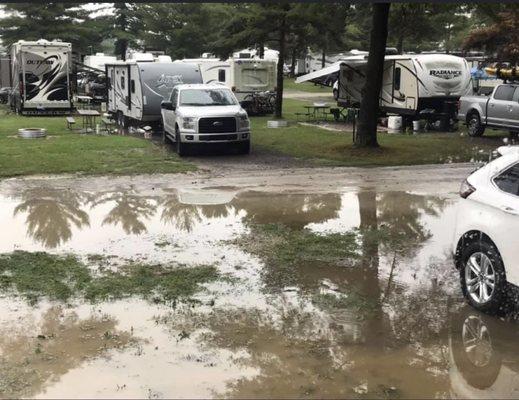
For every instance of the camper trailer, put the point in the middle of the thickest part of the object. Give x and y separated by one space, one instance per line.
98 61
417 86
253 81
136 89
40 77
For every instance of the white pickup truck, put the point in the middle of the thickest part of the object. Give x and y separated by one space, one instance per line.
500 110
199 113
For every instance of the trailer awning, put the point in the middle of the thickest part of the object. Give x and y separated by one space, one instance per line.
328 75
321 76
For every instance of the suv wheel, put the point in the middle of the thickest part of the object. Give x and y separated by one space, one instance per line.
482 276
476 129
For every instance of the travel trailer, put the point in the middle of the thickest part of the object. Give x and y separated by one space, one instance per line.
252 80
40 77
5 73
418 86
136 89
98 61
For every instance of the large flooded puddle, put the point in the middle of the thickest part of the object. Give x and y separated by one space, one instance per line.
350 293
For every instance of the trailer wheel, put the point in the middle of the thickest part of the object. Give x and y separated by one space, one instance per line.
476 129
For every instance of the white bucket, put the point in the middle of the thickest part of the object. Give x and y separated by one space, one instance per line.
417 126
394 123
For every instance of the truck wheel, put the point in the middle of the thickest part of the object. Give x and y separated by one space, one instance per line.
165 137
476 129
245 147
181 147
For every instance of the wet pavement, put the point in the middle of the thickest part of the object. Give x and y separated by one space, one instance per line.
391 324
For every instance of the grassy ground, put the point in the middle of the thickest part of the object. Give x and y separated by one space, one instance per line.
290 84
69 152
36 275
335 148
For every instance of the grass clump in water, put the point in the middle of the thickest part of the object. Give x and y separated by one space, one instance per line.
291 255
57 277
284 245
150 281
42 274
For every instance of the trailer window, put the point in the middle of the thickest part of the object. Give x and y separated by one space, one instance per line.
255 77
132 85
504 92
221 75
396 78
122 82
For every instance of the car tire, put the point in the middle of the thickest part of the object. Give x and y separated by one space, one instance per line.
483 277
473 349
335 94
180 147
475 128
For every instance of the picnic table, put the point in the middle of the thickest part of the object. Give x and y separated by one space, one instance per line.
89 119
317 111
84 101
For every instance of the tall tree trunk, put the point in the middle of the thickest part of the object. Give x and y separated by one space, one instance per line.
261 50
323 59
293 63
400 43
278 111
369 106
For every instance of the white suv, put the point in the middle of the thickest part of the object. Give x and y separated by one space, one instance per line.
199 113
486 244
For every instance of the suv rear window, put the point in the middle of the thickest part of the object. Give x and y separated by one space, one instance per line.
504 92
508 181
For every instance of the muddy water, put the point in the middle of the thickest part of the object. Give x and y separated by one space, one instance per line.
392 326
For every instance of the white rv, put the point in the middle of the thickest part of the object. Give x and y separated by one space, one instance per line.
417 86
136 89
40 77
252 80
98 61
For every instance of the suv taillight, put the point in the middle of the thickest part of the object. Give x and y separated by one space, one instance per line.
466 189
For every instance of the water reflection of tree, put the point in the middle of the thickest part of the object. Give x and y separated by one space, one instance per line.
185 216
35 356
130 210
292 210
51 213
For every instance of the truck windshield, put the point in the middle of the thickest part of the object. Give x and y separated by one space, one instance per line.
207 97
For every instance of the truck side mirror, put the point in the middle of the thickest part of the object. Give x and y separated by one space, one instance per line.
167 105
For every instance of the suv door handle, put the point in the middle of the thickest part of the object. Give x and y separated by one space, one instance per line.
509 210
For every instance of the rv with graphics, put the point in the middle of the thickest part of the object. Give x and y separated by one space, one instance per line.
40 77
417 86
252 80
136 89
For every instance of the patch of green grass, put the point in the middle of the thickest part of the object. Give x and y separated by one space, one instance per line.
147 281
336 148
290 84
353 300
65 151
42 274
39 274
291 255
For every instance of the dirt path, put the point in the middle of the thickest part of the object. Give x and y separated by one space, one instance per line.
230 171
